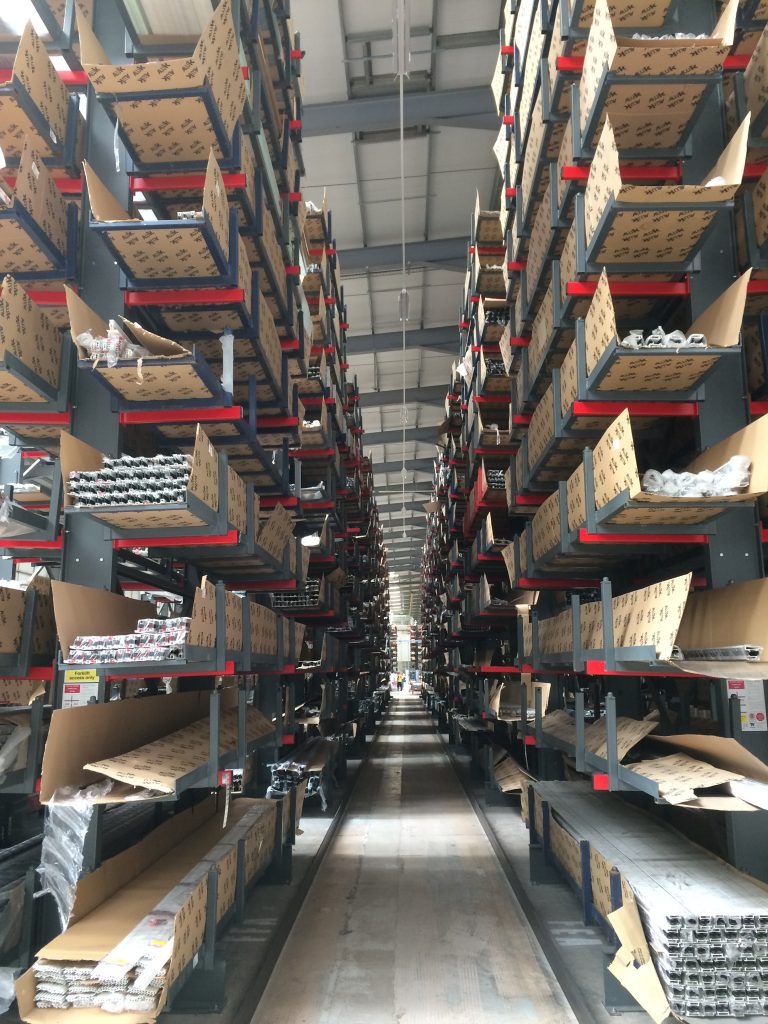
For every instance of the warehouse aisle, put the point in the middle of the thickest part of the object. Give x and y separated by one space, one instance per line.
410 919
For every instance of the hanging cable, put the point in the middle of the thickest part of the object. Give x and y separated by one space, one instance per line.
402 57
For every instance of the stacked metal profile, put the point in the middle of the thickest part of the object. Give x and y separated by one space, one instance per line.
707 927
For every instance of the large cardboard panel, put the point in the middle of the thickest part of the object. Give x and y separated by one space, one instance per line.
202 628
27 333
653 616
276 533
756 78
545 528
34 71
633 966
11 618
679 776
94 732
158 766
629 732
614 462
233 611
721 751
726 616
236 501
576 498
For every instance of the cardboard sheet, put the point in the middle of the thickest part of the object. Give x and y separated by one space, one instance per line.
633 967
162 763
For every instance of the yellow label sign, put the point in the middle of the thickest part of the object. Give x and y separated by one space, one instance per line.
81 675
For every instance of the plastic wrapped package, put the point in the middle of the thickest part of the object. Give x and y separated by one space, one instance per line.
112 348
11 915
730 478
13 739
67 821
7 989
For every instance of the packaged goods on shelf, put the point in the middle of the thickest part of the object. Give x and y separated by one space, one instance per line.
132 480
98 627
706 927
140 919
152 640
311 764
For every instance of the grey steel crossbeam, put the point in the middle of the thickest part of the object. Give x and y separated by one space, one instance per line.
442 253
438 338
396 436
434 394
395 467
464 108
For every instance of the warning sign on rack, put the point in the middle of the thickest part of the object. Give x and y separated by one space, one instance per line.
81 675
78 694
751 694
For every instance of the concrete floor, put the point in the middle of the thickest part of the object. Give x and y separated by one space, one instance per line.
410 919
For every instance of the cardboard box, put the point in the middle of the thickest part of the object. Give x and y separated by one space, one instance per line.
189 249
167 375
34 196
650 115
315 437
506 698
650 370
166 871
203 485
672 219
616 472
27 334
156 124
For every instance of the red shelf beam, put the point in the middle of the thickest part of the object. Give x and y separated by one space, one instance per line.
224 414
181 182
221 540
633 289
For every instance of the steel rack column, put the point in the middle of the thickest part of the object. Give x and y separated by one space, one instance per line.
746 834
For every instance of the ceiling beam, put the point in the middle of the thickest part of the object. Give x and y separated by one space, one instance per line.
395 501
397 465
462 108
441 339
442 253
412 488
434 395
396 436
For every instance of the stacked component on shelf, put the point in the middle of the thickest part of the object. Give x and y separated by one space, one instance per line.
594 550
173 375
